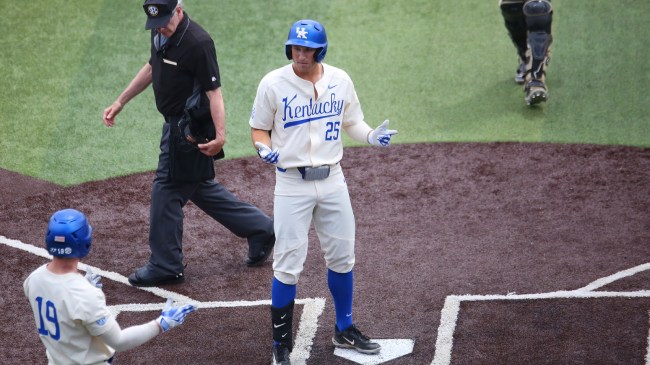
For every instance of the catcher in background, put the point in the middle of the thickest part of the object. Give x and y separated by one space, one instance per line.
70 311
529 25
298 118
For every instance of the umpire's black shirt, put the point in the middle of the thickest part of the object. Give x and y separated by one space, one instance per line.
188 55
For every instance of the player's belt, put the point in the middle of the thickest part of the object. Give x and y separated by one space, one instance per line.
312 173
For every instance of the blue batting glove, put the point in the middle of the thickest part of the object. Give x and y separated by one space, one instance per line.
266 154
174 316
93 278
381 135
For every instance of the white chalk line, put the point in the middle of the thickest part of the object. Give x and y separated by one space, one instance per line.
307 327
451 308
314 307
617 276
39 251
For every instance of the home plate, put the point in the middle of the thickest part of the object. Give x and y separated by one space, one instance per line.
390 350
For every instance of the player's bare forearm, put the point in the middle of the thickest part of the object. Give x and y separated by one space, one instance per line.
260 135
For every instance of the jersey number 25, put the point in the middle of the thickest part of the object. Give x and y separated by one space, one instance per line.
332 133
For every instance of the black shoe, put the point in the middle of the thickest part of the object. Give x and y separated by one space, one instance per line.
536 92
352 338
145 276
258 252
281 355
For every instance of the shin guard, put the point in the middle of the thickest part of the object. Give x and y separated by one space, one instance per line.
282 321
539 16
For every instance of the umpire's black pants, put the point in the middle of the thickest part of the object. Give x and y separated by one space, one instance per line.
166 213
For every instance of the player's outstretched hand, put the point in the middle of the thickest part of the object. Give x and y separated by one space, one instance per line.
381 135
174 316
266 154
93 278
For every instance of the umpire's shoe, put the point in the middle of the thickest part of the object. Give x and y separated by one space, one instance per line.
352 338
146 276
258 252
281 354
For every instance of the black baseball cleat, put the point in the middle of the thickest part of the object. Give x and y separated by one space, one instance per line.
535 92
352 338
259 252
281 354
145 276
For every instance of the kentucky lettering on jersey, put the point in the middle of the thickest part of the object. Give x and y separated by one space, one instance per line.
310 111
307 130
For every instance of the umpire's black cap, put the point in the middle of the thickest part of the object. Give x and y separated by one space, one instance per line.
158 12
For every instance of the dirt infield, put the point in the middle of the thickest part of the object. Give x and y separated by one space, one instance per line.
503 244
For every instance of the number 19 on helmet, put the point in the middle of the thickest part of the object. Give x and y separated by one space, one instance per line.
69 234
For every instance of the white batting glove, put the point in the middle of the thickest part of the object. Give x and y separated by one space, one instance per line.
93 278
381 135
174 316
266 154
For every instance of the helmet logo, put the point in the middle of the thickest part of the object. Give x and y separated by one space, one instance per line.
301 33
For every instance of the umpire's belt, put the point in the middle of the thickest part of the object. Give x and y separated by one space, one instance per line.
172 118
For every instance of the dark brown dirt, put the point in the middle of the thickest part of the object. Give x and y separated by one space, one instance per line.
433 220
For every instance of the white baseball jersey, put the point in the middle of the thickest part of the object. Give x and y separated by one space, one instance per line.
69 313
306 130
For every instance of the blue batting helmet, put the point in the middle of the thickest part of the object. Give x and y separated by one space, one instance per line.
69 234
307 33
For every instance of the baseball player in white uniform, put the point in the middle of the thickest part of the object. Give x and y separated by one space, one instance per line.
297 120
70 311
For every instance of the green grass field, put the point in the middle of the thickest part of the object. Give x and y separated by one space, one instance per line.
439 70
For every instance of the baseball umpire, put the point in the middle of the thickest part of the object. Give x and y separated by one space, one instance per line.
529 25
187 87
297 120
70 310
